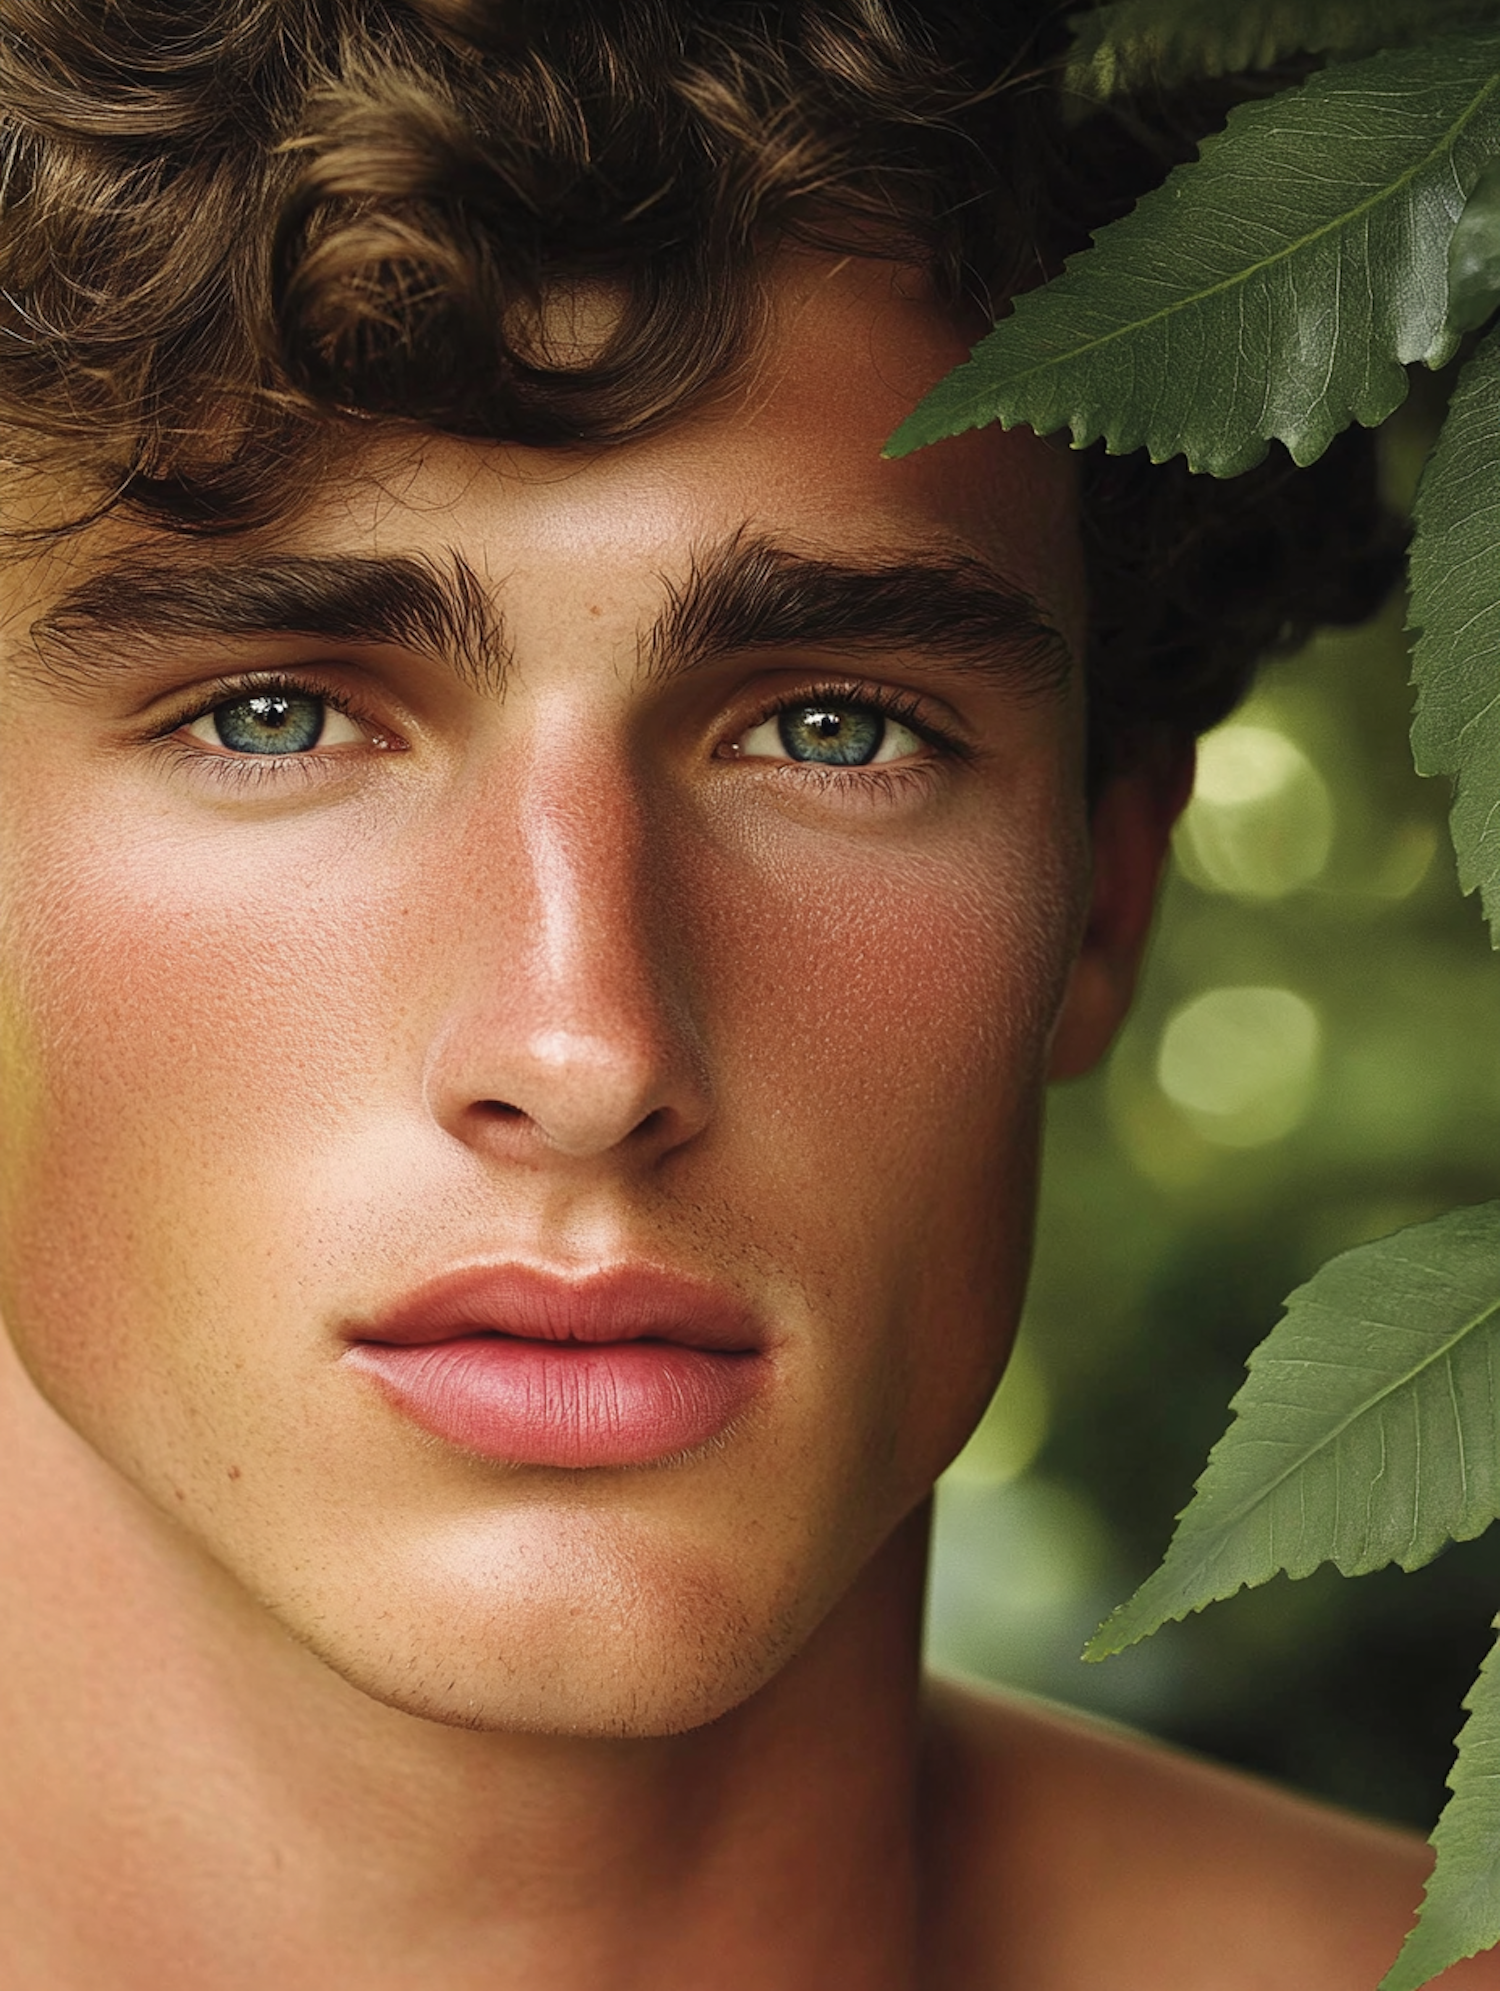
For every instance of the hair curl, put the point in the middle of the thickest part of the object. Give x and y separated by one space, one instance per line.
229 231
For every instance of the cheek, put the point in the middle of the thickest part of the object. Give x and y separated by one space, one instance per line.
881 1040
176 992
176 1034
913 993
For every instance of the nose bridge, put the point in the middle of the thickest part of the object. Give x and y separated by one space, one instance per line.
587 874
575 1021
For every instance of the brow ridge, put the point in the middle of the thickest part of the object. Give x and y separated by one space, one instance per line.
440 609
749 593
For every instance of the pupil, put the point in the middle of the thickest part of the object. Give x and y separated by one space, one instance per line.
271 722
836 735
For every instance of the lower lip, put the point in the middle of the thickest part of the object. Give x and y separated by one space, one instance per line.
547 1403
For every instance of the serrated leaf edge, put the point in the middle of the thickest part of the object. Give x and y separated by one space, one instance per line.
898 445
1430 759
1097 1649
1399 1977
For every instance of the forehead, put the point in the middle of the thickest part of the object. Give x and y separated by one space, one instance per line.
793 452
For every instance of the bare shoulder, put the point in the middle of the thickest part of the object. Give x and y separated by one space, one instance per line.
1068 1852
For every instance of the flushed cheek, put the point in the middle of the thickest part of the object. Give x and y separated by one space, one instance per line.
180 1042
880 1046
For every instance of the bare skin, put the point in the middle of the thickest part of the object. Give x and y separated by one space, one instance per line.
1072 1854
567 963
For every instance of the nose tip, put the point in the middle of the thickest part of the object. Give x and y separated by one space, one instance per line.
570 1019
583 1094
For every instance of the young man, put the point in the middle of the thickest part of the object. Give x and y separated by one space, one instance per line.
542 882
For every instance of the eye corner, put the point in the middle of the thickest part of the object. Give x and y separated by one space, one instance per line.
268 726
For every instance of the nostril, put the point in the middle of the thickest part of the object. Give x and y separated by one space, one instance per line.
498 1109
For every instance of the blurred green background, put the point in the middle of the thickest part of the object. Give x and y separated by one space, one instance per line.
1314 1060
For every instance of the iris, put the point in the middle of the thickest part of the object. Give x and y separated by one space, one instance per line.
272 722
837 735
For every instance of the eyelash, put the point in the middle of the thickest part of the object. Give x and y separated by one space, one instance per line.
258 769
904 707
888 700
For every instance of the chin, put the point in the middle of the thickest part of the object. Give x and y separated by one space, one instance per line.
585 1640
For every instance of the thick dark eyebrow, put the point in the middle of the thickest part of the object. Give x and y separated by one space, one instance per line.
438 610
749 594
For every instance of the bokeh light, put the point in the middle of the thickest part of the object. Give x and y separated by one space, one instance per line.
1241 1063
1260 823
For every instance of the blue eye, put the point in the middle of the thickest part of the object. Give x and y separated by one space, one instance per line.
270 722
831 731
836 735
278 722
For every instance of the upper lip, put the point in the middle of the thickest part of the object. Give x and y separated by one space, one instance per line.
618 1303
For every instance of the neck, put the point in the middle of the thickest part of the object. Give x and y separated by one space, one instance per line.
184 1779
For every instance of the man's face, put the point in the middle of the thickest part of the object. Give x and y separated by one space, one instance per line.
670 902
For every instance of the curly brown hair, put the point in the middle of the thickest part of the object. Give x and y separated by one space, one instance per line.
229 230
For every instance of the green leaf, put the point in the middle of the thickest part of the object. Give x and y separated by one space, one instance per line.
1474 255
1163 43
1365 1432
1455 604
1461 1910
1276 288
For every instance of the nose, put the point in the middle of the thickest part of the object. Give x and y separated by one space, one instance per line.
571 1025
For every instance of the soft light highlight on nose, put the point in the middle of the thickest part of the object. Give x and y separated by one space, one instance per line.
572 1032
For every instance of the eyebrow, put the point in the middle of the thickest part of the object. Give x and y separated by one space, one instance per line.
436 609
748 593
744 594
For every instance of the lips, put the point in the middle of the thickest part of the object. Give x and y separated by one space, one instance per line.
626 1367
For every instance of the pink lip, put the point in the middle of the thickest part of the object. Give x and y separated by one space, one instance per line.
619 1368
